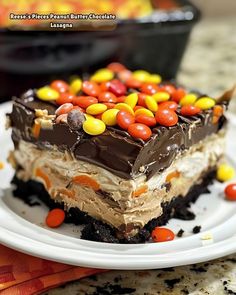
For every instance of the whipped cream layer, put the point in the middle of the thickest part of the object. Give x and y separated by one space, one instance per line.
118 201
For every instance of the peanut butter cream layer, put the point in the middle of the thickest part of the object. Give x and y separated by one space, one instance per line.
115 200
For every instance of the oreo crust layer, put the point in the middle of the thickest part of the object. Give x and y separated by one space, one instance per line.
95 230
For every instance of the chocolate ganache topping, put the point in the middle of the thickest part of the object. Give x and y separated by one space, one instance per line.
114 150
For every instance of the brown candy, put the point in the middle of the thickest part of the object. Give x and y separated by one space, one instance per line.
75 119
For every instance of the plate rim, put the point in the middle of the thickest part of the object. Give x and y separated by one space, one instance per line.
210 252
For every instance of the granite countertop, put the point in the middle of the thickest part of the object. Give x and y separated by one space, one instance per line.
207 65
215 278
209 61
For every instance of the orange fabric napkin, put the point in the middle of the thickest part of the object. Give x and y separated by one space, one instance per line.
22 274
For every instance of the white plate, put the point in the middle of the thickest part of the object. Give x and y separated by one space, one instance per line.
22 228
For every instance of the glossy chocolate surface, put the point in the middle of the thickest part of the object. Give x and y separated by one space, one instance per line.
114 150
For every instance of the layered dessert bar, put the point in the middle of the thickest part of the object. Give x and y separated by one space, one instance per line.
120 151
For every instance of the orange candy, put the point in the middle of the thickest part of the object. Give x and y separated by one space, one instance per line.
39 173
55 218
60 86
91 88
139 130
149 88
78 108
124 119
147 120
133 83
143 189
218 111
99 116
170 176
161 234
36 129
104 86
116 67
168 88
141 99
65 98
121 98
64 109
230 192
178 94
124 75
215 119
171 105
137 108
117 87
109 105
84 101
190 110
107 96
87 181
166 117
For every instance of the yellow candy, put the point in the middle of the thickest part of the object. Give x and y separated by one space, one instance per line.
155 78
75 86
141 75
109 117
94 126
87 116
47 93
132 100
151 103
161 96
144 111
188 99
96 109
225 172
102 75
1 165
205 103
124 107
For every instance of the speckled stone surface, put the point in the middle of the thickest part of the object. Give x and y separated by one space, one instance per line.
215 278
209 65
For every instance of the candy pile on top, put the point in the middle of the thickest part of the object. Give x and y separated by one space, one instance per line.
115 96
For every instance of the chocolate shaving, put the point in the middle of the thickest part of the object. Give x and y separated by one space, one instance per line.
197 229
180 233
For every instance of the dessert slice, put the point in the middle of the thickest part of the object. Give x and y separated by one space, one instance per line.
121 152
